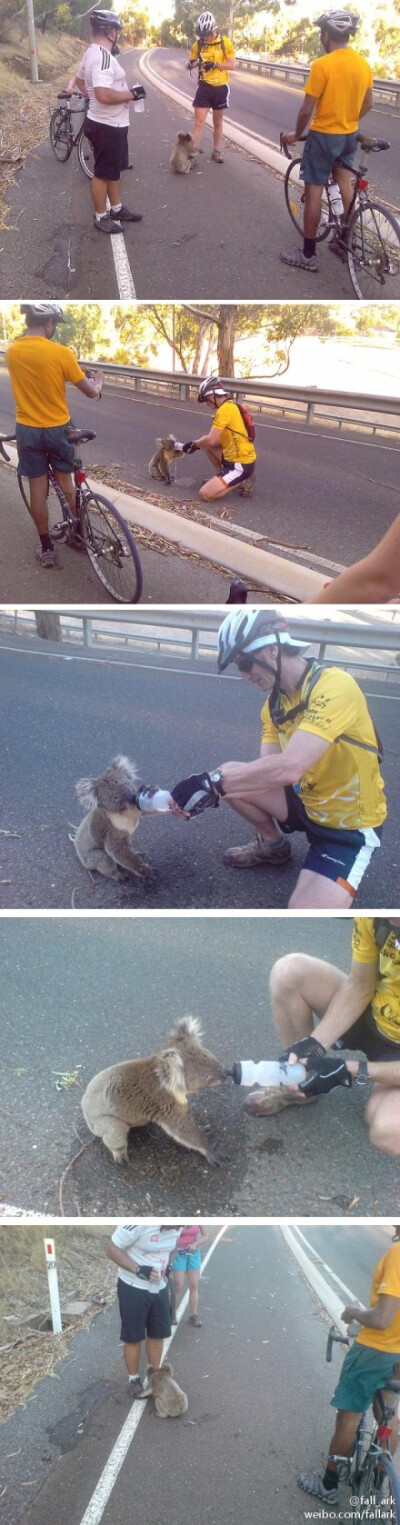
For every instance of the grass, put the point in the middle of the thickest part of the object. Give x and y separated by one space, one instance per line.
25 108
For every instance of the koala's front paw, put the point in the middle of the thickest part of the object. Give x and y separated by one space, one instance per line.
213 1159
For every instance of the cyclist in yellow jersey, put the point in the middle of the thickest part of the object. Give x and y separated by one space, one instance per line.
358 1012
369 1364
319 770
227 445
39 370
215 57
338 94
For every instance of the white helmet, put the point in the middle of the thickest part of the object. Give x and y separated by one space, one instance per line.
247 630
339 24
206 24
41 311
211 387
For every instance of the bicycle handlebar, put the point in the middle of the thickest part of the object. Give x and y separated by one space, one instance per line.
333 1336
6 439
66 95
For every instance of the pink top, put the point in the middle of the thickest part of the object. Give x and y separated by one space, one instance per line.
187 1237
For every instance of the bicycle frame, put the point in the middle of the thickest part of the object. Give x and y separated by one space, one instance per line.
375 1441
65 106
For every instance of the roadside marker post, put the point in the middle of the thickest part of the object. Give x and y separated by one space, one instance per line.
50 1255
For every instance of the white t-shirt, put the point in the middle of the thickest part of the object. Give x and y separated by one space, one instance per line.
98 67
148 1246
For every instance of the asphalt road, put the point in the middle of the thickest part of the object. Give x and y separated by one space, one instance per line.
270 106
192 241
259 1390
324 498
81 993
66 715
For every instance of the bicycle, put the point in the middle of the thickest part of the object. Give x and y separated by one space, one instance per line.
369 233
369 1470
61 131
96 529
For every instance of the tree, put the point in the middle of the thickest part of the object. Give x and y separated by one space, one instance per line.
48 626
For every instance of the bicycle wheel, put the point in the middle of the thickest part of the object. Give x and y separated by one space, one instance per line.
111 549
86 155
378 1492
388 1491
58 517
295 202
61 138
373 253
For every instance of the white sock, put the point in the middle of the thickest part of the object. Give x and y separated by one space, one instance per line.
116 209
135 1379
99 216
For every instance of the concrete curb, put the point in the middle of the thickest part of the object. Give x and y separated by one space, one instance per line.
258 147
327 1297
244 560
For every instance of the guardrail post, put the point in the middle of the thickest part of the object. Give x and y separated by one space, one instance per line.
310 412
195 644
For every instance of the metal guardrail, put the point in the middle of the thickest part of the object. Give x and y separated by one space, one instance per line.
313 403
192 634
384 89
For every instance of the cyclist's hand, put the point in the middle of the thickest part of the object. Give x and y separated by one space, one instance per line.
306 1048
190 447
195 794
350 1312
288 137
324 1076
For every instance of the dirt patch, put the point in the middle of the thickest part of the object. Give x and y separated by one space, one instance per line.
26 1354
25 108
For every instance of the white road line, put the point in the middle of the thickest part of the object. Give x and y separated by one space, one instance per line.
315 1256
327 1297
186 672
125 281
95 1510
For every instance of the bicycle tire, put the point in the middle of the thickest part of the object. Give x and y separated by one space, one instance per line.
381 278
295 195
58 516
61 137
393 1494
116 561
86 155
378 1491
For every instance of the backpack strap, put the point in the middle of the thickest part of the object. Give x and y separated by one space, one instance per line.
382 930
299 708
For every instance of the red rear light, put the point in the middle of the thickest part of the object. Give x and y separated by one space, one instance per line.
80 476
363 185
384 1431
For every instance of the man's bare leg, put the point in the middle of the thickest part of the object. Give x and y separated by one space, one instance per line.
312 209
383 1117
38 490
315 892
263 811
67 485
300 987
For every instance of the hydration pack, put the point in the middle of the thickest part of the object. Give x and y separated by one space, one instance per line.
248 422
298 709
382 931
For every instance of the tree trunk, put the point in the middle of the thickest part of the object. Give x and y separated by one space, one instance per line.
48 626
226 340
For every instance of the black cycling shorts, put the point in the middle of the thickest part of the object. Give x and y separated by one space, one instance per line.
143 1313
215 97
337 854
110 148
365 1035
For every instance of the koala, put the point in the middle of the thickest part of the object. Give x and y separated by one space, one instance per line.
102 841
169 1399
154 1090
160 464
183 154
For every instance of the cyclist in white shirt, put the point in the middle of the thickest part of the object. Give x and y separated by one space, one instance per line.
142 1253
101 77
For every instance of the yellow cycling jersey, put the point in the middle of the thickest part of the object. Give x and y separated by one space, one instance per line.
386 999
344 788
385 1283
214 53
236 445
39 369
339 81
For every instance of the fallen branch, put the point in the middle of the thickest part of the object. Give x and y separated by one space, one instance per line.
65 1173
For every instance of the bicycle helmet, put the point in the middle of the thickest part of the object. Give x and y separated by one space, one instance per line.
43 310
210 387
105 21
205 24
247 631
339 24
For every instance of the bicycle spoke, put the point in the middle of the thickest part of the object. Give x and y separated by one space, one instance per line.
111 549
374 253
60 134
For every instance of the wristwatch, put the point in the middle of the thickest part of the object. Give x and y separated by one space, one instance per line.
216 778
362 1077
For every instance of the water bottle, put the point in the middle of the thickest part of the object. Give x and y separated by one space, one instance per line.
335 200
152 800
269 1072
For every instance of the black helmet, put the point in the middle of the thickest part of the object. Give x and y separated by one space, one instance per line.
41 311
105 21
339 24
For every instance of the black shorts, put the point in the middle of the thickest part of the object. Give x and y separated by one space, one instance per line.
215 97
337 854
110 148
233 472
143 1313
365 1035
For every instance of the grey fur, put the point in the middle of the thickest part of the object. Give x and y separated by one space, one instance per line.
161 461
183 154
169 1399
154 1090
101 842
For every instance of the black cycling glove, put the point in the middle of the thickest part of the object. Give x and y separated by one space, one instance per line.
330 1073
190 447
305 1048
144 1272
196 793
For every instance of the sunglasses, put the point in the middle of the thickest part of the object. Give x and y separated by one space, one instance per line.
244 664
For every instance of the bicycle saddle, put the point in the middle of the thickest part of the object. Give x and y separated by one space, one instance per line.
393 1386
80 436
373 145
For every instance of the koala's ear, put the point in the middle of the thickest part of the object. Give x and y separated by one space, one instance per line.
170 1070
85 792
